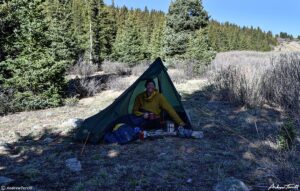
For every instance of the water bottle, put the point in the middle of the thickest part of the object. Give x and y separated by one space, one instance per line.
168 126
143 135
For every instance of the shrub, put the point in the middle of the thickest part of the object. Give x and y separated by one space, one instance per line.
281 82
191 68
139 69
11 101
37 80
238 86
29 101
178 76
72 101
86 87
6 104
118 68
253 79
119 83
82 68
287 135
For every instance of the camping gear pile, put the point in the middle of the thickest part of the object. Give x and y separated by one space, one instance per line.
124 133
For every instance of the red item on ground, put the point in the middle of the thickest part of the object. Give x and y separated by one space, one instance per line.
142 135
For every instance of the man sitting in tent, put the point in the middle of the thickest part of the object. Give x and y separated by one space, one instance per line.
149 105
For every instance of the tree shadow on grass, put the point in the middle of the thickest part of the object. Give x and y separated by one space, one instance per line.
38 160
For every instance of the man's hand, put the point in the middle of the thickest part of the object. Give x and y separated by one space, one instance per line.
181 125
146 115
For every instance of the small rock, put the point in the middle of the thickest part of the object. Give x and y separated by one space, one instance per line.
75 123
189 180
73 164
231 184
4 180
48 140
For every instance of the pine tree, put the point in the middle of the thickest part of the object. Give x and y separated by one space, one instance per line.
37 71
156 42
184 18
109 30
128 44
95 31
146 26
200 50
227 36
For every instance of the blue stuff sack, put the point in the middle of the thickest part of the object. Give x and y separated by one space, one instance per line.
122 135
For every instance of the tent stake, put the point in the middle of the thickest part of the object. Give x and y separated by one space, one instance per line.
87 137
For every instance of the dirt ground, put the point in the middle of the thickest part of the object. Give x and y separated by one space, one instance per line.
238 142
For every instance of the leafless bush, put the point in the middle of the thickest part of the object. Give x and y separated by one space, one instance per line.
139 69
116 68
178 76
71 102
119 83
281 83
82 68
238 85
190 68
84 87
253 78
238 75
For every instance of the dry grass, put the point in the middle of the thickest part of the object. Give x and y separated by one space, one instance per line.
281 83
36 122
139 69
160 164
188 67
178 76
238 141
191 86
288 46
254 78
120 83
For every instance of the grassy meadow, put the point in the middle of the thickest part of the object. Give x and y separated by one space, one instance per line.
241 103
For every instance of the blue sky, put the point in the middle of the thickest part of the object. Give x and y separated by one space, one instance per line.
274 15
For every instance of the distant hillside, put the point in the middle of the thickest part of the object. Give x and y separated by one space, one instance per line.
227 37
287 45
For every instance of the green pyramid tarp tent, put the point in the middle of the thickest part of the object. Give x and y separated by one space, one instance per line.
94 127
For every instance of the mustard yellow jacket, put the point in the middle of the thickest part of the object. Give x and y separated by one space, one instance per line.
154 103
